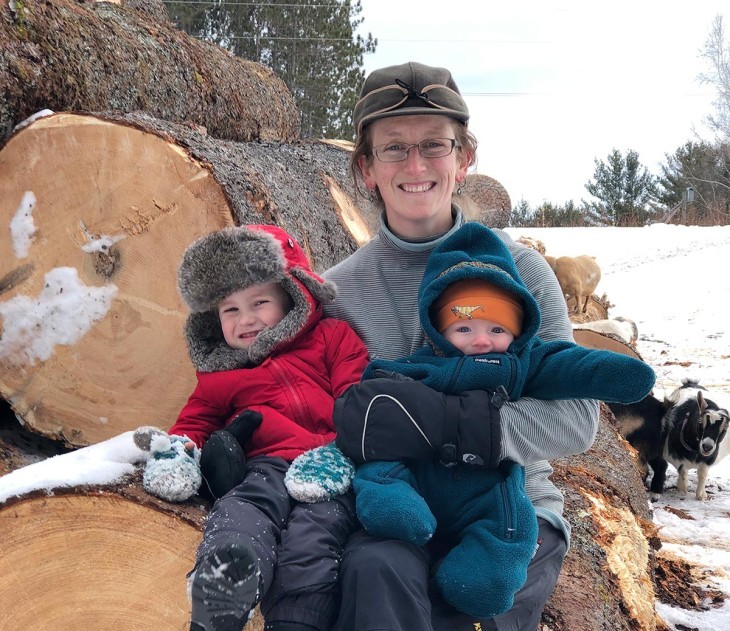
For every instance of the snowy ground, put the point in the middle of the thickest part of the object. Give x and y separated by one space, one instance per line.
674 282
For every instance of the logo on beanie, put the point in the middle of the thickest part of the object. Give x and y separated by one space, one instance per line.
465 312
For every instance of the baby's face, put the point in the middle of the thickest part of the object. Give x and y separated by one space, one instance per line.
475 337
247 312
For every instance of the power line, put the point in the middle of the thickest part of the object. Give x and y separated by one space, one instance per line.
257 4
292 39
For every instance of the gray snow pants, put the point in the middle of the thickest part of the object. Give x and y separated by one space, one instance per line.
386 587
298 545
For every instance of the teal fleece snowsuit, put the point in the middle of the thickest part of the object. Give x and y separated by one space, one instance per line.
485 511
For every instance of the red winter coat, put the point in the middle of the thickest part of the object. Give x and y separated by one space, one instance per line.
294 391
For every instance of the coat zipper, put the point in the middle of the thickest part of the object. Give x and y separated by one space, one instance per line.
512 373
297 403
395 471
454 375
510 529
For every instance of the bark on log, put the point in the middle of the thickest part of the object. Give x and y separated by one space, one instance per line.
67 55
607 580
118 200
20 447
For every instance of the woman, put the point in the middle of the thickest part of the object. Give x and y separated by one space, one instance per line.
412 150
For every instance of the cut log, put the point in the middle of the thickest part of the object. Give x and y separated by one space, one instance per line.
97 212
116 558
604 341
484 199
93 556
65 55
111 559
596 309
20 447
94 560
607 580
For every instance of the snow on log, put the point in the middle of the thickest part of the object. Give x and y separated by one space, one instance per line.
96 212
99 56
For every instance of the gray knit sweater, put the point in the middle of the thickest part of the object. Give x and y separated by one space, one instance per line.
378 297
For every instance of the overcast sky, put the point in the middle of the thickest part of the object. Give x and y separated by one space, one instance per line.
553 85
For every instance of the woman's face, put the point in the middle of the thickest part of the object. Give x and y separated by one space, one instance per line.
417 191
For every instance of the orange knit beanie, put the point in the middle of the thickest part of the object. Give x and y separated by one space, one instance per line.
475 298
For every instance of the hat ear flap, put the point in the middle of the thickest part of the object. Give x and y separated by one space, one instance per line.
322 290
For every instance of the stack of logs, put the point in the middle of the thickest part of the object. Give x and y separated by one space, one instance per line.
156 139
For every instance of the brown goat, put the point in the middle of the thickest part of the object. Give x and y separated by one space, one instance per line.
578 277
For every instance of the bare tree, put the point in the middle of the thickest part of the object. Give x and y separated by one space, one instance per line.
717 54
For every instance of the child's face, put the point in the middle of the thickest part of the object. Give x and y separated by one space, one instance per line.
474 337
247 312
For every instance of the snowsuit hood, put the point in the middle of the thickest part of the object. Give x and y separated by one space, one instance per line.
220 263
475 252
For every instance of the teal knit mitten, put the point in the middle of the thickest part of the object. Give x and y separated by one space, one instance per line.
172 472
319 474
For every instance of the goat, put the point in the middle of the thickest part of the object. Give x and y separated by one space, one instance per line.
578 277
686 430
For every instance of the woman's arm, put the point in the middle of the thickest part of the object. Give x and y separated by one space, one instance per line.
535 429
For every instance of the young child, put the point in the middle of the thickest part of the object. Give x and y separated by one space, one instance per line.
269 367
480 322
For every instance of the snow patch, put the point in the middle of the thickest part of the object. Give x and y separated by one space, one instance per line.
62 314
98 244
22 227
107 462
33 117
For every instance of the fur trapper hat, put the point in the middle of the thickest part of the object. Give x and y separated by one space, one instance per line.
223 262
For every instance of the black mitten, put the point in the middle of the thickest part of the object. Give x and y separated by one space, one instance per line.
222 459
244 425
393 419
222 463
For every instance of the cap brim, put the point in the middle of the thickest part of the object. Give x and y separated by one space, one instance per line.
412 111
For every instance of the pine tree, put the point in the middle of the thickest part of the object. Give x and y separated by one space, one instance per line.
706 169
522 215
624 189
310 44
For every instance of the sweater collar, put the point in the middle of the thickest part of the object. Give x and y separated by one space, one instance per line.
421 246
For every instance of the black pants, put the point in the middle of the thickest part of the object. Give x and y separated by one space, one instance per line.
298 545
385 586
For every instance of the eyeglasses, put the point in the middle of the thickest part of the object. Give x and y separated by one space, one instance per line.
429 148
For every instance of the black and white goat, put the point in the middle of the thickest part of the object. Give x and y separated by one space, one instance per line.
686 430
